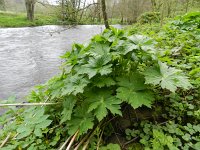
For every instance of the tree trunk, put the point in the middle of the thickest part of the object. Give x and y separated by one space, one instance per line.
74 11
81 15
30 7
103 5
153 3
187 5
62 10
99 10
2 5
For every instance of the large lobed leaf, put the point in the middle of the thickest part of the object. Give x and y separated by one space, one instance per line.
101 101
81 120
133 90
96 65
167 77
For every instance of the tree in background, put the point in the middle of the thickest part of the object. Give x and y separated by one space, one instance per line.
103 6
30 9
69 9
2 5
72 11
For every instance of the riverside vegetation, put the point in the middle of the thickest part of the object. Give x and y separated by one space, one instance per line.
19 20
136 88
9 19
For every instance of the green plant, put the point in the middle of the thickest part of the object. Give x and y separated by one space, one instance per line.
149 17
117 72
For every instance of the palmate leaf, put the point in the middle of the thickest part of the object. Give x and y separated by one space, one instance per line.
81 120
96 65
123 47
34 120
133 90
144 42
74 85
167 77
99 49
68 106
101 101
73 55
103 81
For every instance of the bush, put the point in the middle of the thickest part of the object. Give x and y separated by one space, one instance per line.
149 17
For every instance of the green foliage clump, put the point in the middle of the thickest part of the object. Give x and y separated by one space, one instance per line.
149 17
118 77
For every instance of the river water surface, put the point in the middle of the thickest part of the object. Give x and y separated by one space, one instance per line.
30 56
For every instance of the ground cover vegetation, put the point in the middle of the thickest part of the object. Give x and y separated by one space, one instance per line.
69 12
19 20
135 88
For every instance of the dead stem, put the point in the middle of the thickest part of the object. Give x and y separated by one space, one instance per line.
81 142
65 143
28 104
6 140
72 140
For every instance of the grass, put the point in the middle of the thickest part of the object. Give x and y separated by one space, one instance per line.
8 19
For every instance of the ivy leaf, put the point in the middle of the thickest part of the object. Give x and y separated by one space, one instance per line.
167 77
74 85
96 65
81 120
133 90
101 102
68 106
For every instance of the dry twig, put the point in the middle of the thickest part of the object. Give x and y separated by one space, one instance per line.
6 140
28 104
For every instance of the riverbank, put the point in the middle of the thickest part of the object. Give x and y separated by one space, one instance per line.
12 20
19 20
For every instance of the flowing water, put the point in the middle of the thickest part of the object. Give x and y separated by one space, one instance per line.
30 56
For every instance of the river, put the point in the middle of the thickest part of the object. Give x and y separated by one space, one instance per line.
30 56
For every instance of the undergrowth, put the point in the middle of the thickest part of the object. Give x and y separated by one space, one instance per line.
126 89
